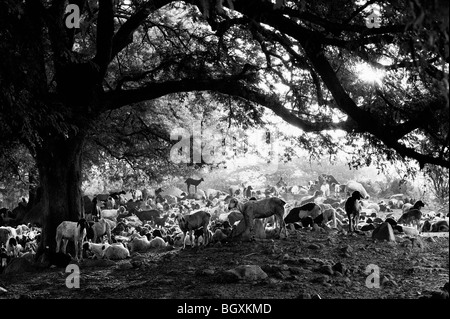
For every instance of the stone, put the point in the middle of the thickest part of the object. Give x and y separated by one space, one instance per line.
19 265
339 267
367 227
296 270
321 279
248 272
314 246
332 240
383 232
347 250
326 269
303 295
207 272
417 242
137 263
124 266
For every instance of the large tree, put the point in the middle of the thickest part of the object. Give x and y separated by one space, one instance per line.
57 82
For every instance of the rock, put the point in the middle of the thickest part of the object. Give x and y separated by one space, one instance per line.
383 232
207 272
228 277
417 242
367 227
137 263
247 272
321 279
296 270
314 246
339 267
332 240
305 260
303 295
347 250
326 269
124 266
391 221
19 265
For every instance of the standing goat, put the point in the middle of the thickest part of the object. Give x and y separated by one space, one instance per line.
190 222
75 231
195 182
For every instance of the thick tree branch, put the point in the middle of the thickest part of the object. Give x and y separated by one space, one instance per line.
124 35
105 33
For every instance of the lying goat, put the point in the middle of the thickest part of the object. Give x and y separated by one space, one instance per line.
98 250
188 223
260 209
75 231
116 251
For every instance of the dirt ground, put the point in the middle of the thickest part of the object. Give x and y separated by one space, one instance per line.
297 267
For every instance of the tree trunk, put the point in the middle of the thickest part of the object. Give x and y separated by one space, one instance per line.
59 164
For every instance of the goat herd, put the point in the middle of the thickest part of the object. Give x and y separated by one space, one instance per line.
117 224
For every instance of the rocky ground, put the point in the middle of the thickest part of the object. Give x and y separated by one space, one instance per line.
309 264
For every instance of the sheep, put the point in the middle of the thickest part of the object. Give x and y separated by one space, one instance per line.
139 243
101 228
157 242
147 215
260 209
112 213
188 223
352 186
234 216
13 248
297 213
6 232
75 231
116 251
97 249
218 236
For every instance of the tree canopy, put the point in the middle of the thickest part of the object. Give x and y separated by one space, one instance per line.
66 93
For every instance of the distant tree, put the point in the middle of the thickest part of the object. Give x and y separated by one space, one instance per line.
438 178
